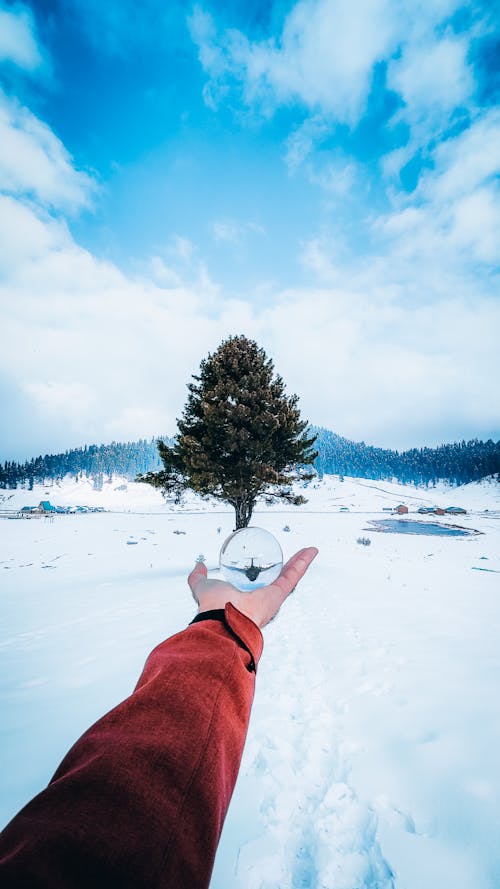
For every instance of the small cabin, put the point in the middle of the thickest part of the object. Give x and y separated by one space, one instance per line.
438 510
46 506
401 509
456 510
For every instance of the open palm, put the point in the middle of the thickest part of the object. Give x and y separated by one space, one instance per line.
262 604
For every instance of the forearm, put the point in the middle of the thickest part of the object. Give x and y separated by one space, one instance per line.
141 798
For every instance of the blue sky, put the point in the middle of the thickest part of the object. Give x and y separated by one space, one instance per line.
320 175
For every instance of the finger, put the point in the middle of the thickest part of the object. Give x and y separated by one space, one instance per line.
197 578
274 595
295 569
308 553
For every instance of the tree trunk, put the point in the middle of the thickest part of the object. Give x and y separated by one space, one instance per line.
243 511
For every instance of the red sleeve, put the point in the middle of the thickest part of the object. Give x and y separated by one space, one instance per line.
140 799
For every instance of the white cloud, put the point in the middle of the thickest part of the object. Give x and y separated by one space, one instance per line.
337 177
179 265
452 219
204 33
24 237
17 40
395 348
163 274
323 58
433 76
101 355
392 349
124 425
320 261
476 224
34 162
54 398
90 346
301 142
386 372
466 161
436 81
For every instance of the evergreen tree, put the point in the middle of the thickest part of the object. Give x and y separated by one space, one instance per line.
240 436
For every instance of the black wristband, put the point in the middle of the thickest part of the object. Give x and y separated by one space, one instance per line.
215 614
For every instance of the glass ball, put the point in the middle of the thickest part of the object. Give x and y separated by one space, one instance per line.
250 558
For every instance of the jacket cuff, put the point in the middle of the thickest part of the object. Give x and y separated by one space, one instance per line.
246 631
243 628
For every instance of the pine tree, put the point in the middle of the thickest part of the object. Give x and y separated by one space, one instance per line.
240 435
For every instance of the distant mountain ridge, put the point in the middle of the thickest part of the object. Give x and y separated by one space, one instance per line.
96 461
456 463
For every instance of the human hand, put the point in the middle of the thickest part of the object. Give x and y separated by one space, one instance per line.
262 604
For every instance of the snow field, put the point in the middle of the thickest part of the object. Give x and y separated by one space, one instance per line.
371 760
374 762
315 831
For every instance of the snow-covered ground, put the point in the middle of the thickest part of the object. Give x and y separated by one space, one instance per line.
372 756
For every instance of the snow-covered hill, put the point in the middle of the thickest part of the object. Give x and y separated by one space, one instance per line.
372 756
329 494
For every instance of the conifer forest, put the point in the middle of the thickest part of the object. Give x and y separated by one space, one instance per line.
456 463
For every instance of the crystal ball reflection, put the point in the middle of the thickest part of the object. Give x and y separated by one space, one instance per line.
250 558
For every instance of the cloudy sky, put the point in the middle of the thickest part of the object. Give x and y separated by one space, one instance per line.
320 175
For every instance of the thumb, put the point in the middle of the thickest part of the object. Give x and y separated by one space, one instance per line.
197 577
